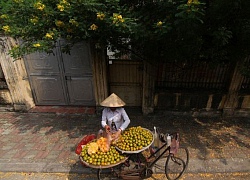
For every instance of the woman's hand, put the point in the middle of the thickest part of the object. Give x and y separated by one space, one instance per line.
107 128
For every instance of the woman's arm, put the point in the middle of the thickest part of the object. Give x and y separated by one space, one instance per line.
126 119
104 120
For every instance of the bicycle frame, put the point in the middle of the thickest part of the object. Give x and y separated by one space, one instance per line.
158 157
176 137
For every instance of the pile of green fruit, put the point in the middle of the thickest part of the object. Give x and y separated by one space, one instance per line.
100 158
134 139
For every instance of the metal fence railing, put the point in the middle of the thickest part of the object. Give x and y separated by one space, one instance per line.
199 76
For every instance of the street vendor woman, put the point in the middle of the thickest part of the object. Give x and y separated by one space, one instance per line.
114 116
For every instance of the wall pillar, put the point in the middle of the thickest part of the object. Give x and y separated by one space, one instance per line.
148 88
231 99
99 74
16 76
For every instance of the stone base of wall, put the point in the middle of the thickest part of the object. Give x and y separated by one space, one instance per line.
242 113
5 97
6 108
204 113
201 104
20 107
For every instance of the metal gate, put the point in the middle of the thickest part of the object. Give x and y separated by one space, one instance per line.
125 80
62 79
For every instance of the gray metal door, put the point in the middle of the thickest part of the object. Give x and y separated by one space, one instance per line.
62 79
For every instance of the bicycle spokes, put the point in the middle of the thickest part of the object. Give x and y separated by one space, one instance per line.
183 154
174 167
175 160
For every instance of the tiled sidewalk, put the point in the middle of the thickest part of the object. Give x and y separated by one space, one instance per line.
36 142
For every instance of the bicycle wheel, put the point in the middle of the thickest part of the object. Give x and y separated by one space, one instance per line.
174 167
107 174
183 154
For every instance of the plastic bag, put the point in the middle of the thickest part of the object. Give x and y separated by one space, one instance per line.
175 144
84 141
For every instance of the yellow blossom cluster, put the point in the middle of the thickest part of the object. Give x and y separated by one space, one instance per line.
49 35
6 28
40 6
4 16
34 20
36 45
100 16
62 5
117 18
159 24
93 27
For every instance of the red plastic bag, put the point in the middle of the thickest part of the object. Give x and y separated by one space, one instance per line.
84 141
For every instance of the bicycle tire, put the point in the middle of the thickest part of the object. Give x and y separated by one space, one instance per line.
183 154
174 167
107 174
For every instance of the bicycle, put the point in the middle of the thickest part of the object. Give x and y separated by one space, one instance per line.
177 159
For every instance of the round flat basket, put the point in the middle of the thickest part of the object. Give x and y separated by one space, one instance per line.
101 166
140 150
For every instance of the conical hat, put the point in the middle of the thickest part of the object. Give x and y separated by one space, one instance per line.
113 101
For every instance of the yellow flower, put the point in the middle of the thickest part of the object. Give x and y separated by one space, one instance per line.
59 23
64 3
36 45
60 7
4 16
6 28
34 20
73 22
100 16
159 23
93 27
49 35
117 18
39 6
